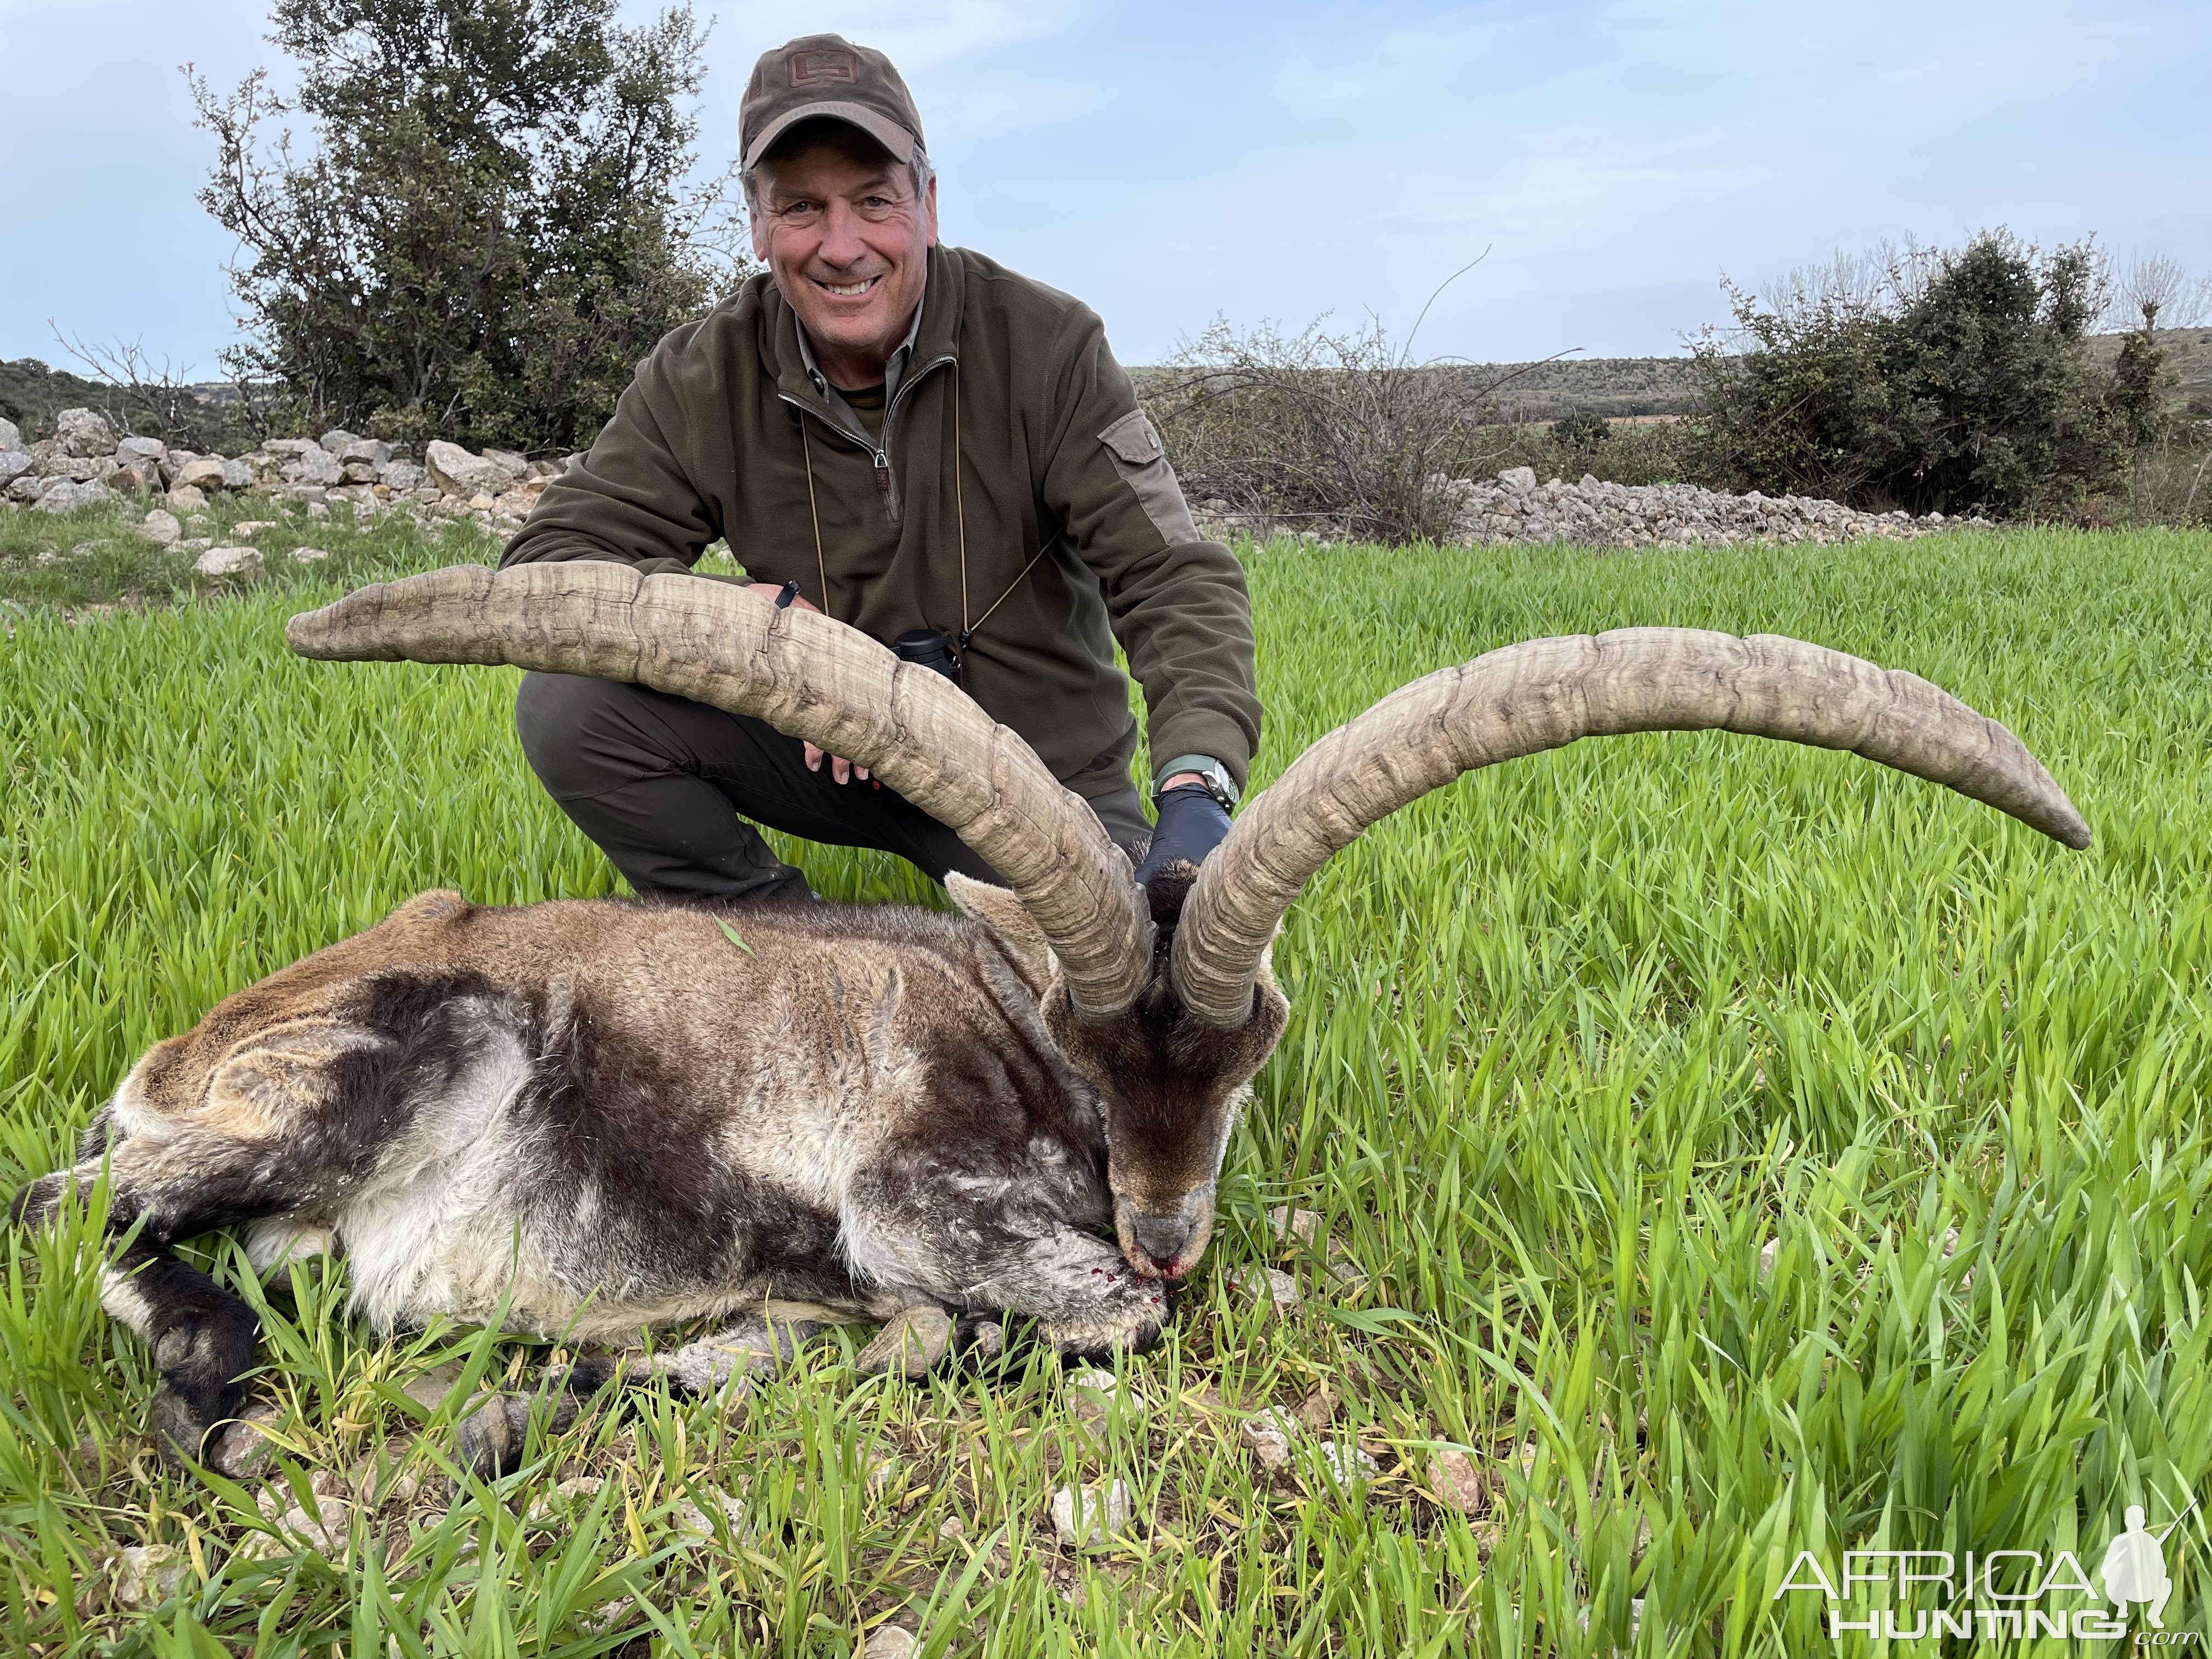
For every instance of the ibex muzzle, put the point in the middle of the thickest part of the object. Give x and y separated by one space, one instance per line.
866 1108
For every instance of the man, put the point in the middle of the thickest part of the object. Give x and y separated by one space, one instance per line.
921 443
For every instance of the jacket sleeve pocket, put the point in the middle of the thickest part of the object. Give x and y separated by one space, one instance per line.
1142 462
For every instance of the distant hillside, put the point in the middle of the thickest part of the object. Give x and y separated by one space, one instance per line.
1611 387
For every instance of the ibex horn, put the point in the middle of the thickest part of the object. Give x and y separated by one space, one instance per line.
808 677
1545 692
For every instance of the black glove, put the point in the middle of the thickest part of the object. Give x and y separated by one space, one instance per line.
1191 823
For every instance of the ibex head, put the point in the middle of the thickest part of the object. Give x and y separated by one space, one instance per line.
1163 997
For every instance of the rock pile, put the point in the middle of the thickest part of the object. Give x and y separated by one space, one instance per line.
1515 508
86 461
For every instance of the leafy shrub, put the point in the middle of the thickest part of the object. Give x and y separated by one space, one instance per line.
486 232
1959 383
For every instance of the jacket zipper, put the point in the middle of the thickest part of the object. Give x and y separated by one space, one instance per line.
886 481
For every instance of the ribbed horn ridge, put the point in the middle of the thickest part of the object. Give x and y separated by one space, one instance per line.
1545 692
808 677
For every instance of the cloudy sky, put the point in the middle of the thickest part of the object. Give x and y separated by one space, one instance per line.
1171 161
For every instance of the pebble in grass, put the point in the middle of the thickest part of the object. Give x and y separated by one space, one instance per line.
1345 1463
308 555
1269 1288
1304 1226
230 562
1087 1516
888 1641
243 1447
1269 1434
162 529
147 1575
1093 1394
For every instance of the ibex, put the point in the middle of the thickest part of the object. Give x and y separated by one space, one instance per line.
602 1116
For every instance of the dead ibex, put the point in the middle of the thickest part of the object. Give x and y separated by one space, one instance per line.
611 1115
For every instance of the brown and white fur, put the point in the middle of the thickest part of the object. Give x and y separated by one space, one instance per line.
611 1115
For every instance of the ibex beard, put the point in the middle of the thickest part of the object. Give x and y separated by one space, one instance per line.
602 1116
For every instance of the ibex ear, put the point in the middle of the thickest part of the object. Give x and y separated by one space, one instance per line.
998 909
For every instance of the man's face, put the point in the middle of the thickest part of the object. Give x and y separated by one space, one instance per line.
848 241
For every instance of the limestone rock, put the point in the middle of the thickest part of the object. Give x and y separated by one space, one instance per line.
315 467
1458 1483
459 473
1518 478
1093 1394
1087 1516
1345 1463
404 476
550 1507
27 487
693 1524
373 451
84 432
1268 1287
187 498
147 1575
888 1641
136 480
242 1447
65 495
205 472
136 452
228 562
359 472
1304 1225
238 475
290 448
11 435
254 526
336 440
14 462
162 529
1270 1433
907 1346
306 556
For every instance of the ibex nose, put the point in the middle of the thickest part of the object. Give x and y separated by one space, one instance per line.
1162 1238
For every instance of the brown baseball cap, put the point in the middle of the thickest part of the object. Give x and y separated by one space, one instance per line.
827 74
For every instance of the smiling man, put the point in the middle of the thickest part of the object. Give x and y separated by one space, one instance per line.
930 447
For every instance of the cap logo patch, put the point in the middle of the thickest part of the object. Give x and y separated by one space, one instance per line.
815 69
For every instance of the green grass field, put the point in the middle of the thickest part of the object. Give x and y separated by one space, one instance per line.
1572 1044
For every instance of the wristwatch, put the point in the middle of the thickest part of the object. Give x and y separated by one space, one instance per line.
1211 773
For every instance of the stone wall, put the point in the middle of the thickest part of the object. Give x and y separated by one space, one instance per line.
86 461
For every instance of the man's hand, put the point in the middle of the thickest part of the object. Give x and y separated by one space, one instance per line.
840 769
1191 824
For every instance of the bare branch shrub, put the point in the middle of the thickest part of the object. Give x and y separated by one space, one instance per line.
1337 432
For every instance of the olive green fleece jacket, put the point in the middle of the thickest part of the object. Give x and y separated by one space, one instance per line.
1056 470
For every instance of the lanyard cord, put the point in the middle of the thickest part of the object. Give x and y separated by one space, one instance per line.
821 570
960 518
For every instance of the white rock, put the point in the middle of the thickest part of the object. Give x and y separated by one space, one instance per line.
242 1447
14 462
238 475
66 497
1270 1433
459 473
336 440
1083 1515
693 1525
1518 478
1268 1286
402 476
135 450
306 556
549 1506
888 1641
1304 1225
291 447
910 1344
84 432
147 1575
203 472
1094 1394
1345 1462
11 435
230 562
187 498
374 451
315 467
254 526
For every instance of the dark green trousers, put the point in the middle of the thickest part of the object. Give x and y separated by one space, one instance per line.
670 790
